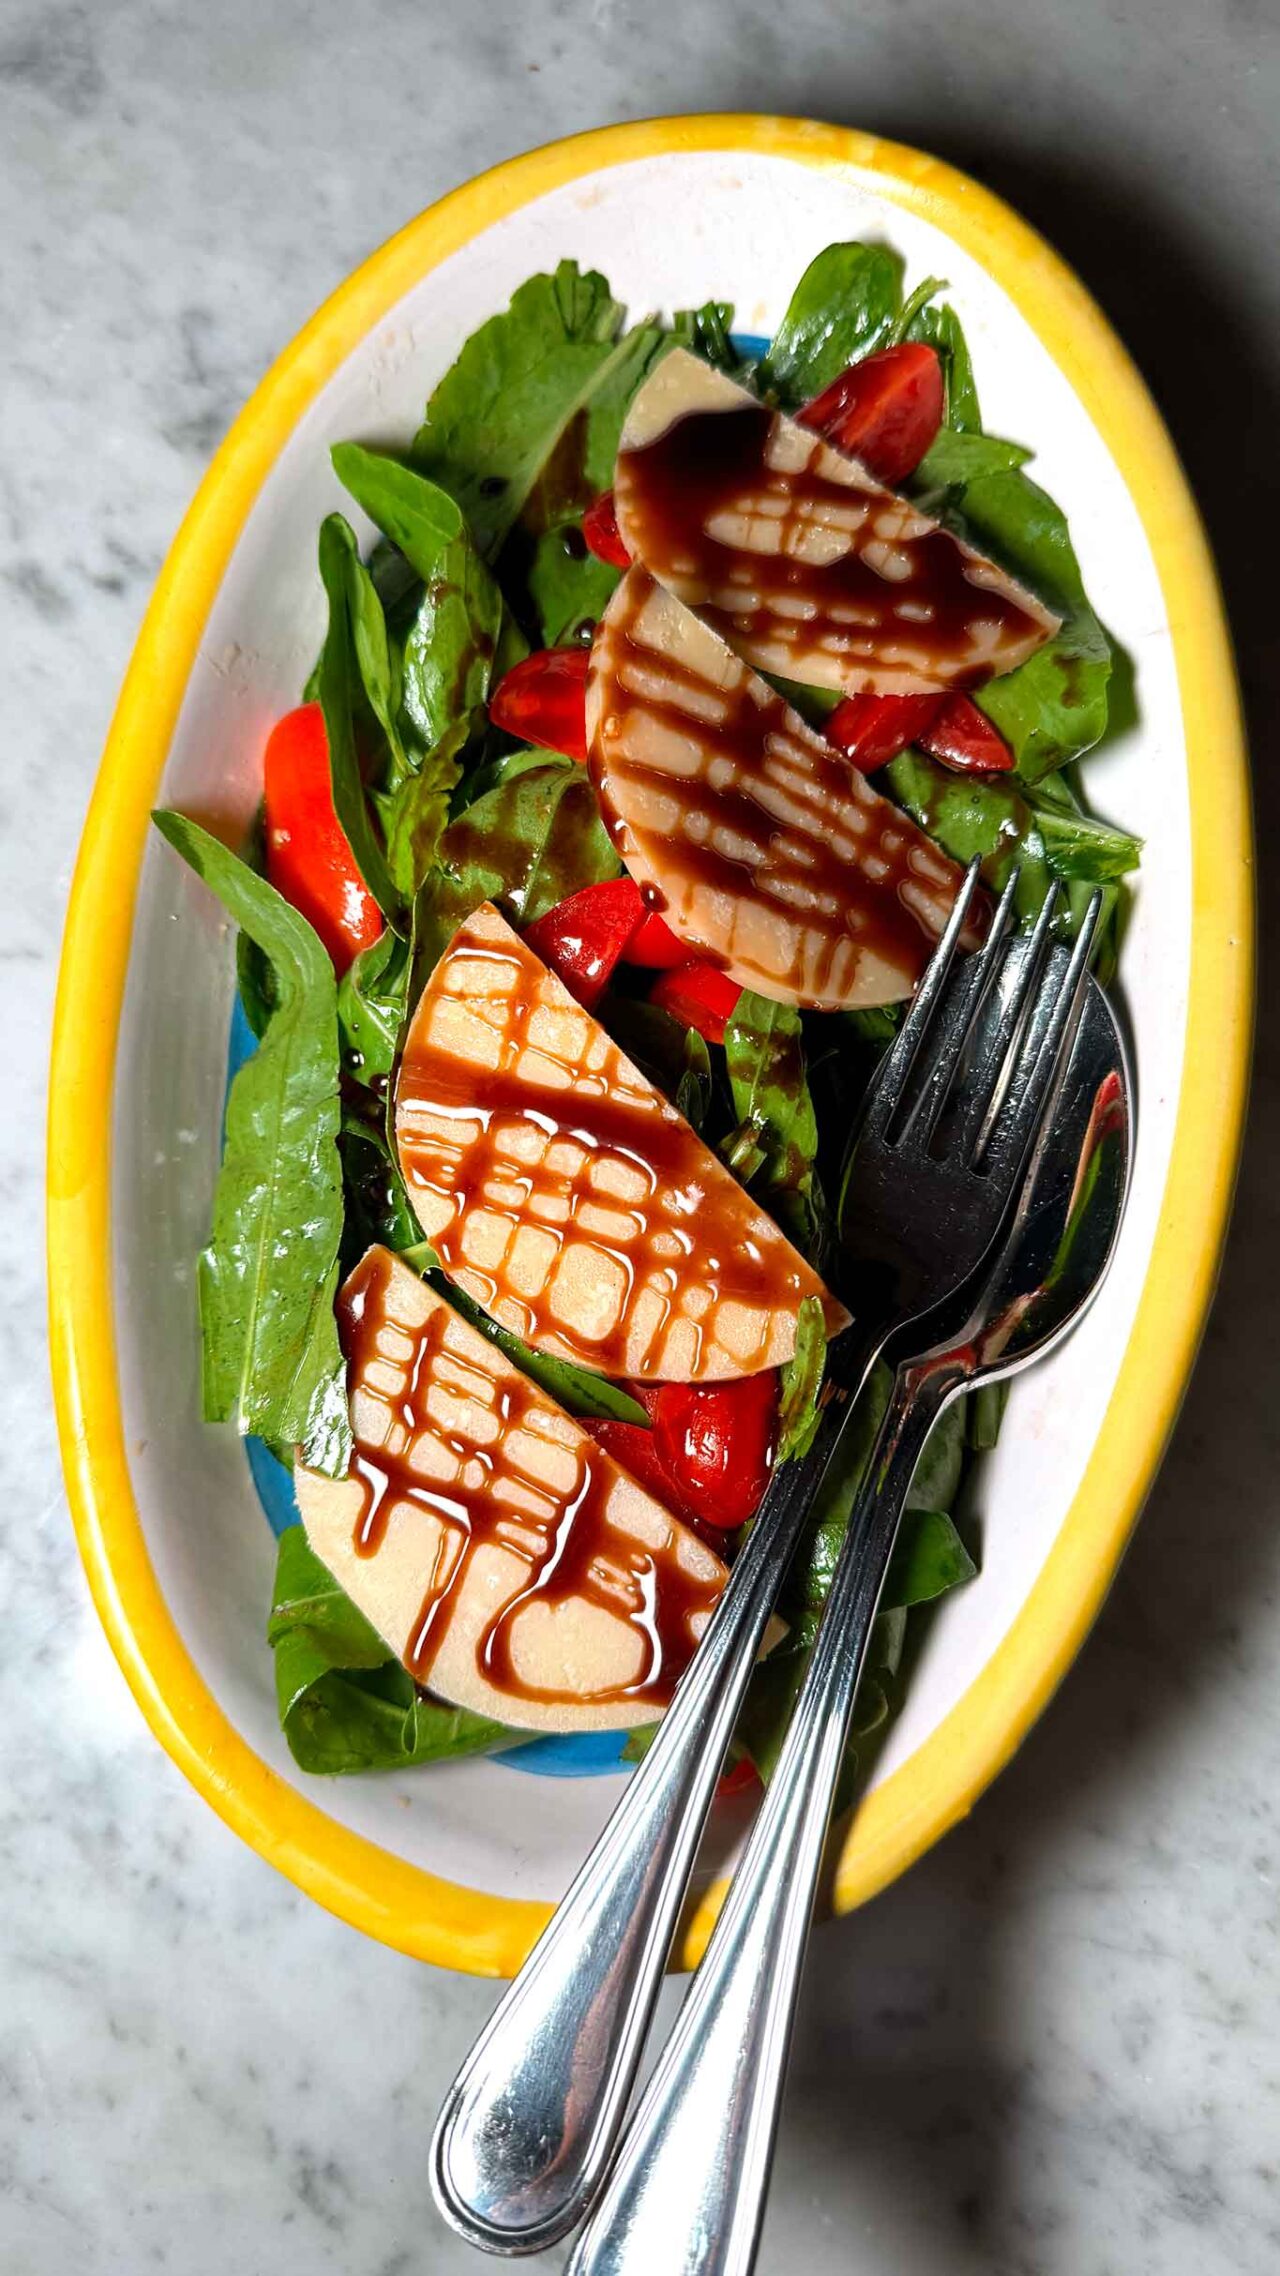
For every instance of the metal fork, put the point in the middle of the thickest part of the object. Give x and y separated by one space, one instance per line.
527 2131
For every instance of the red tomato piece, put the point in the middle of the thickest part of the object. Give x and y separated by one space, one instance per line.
964 739
600 529
654 945
716 1440
699 995
543 700
309 859
582 938
884 410
872 729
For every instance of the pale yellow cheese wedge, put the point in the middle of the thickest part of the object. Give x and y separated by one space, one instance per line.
810 569
760 842
512 1565
567 1196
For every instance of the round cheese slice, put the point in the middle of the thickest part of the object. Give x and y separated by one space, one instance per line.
514 1567
809 568
567 1196
766 850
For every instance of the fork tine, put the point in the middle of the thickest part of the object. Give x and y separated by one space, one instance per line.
1040 1059
899 1060
985 1081
969 995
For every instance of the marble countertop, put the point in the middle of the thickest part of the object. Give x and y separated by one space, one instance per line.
1053 2048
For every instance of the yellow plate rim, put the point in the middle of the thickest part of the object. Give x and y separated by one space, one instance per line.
374 1890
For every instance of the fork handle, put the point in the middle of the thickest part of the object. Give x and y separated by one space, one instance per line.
528 2126
687 2194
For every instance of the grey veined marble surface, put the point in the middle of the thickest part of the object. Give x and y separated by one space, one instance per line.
1055 2048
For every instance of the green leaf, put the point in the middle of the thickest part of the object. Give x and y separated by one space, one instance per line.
529 843
512 396
764 1053
942 329
1055 704
802 1383
1076 844
344 696
269 1273
417 815
345 1702
674 1057
567 589
707 331
449 652
843 307
928 1558
954 459
376 1205
372 1002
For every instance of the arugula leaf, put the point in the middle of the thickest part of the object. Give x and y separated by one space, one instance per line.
1076 844
345 1702
708 332
344 696
1055 704
418 813
801 1384
674 1057
954 459
448 655
764 1053
376 1202
372 1001
566 589
928 1558
530 841
941 328
517 384
267 1278
843 307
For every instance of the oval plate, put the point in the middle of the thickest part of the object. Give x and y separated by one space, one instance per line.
460 1865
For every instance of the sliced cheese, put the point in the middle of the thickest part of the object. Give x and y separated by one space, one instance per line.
809 568
567 1196
512 1565
763 845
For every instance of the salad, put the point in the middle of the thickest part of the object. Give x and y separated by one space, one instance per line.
653 726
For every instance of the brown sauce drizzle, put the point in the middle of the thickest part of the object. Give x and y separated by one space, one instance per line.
845 875
918 622
572 1548
684 1231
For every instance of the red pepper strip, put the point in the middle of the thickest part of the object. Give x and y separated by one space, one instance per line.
963 738
600 529
716 1440
872 729
543 700
582 938
654 945
699 995
884 410
308 858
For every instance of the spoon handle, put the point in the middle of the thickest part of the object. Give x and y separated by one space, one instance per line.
529 2124
687 2194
